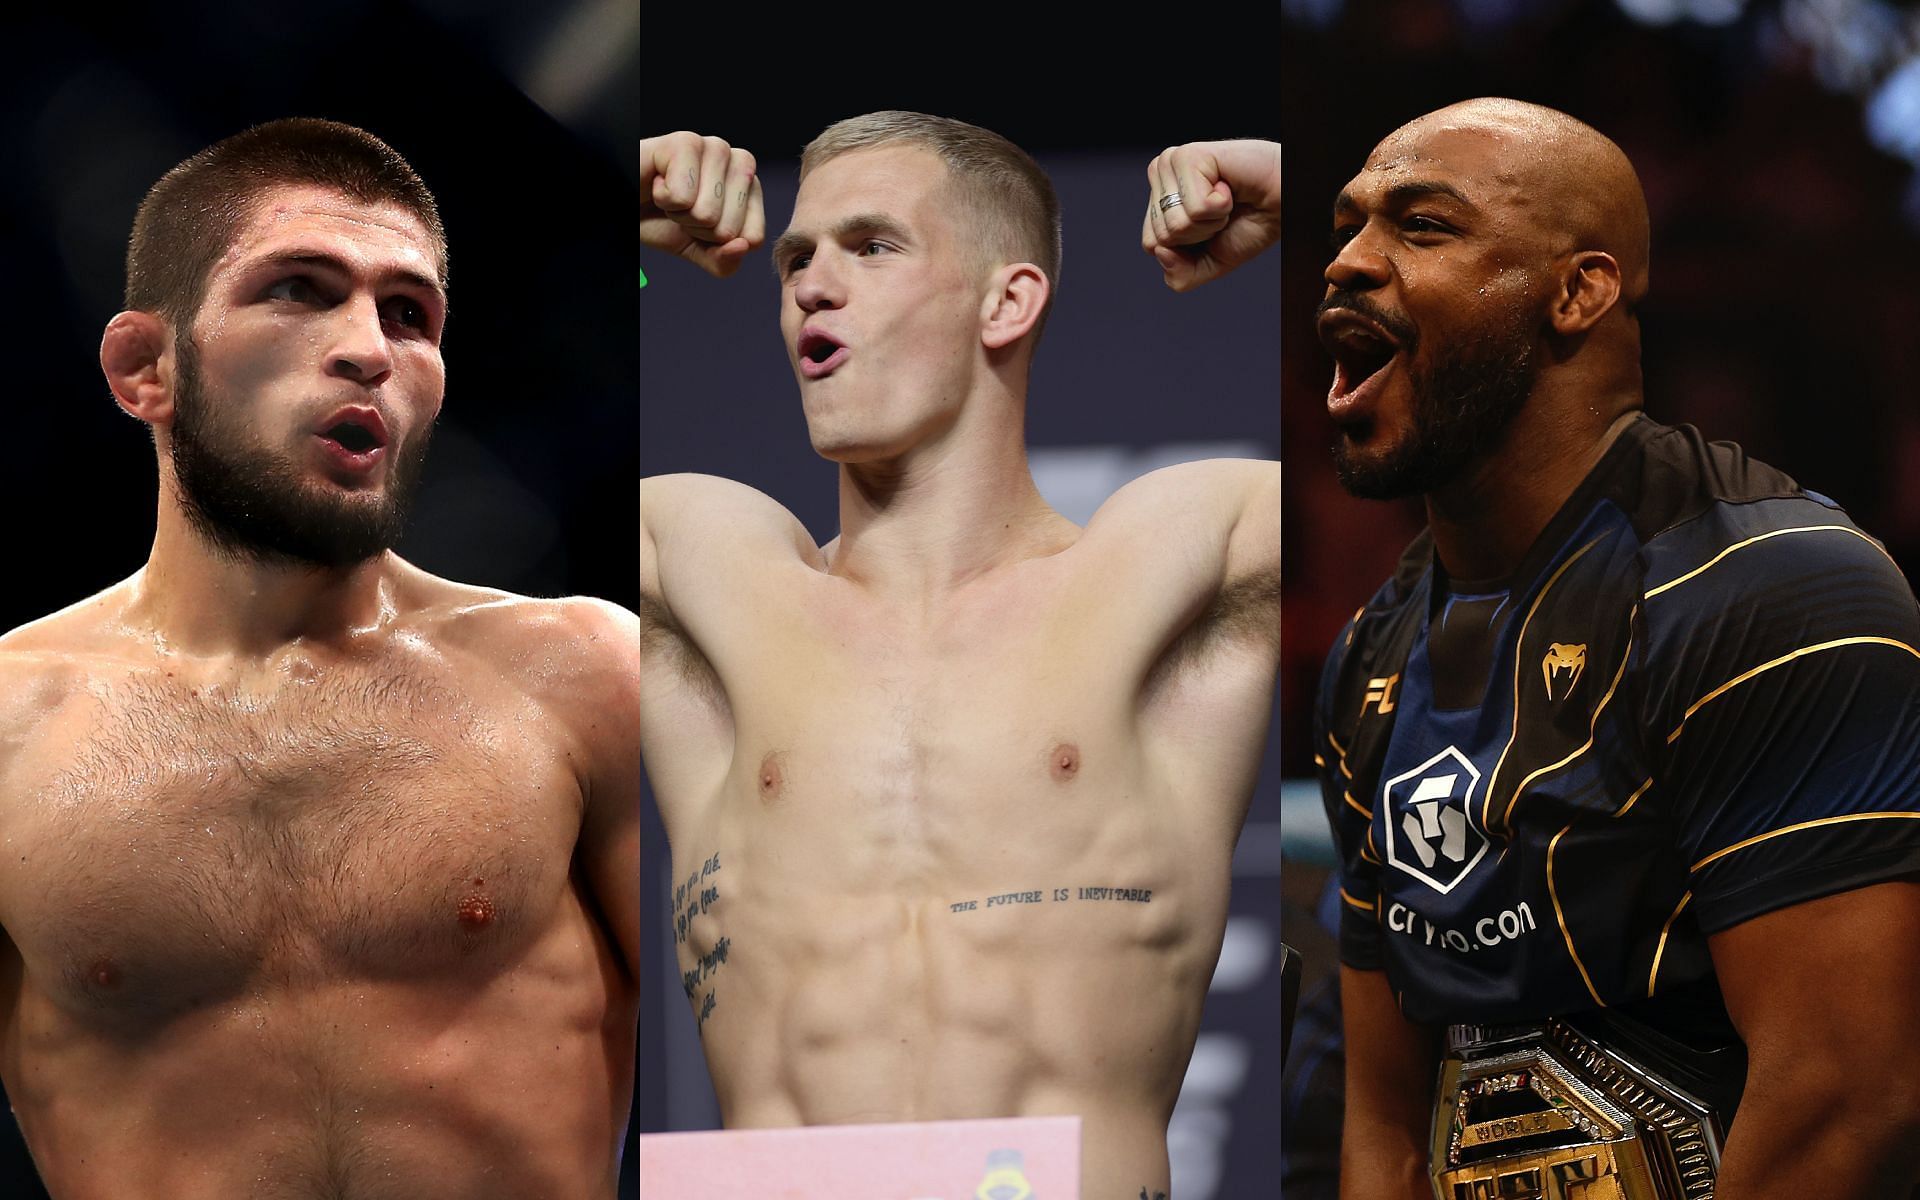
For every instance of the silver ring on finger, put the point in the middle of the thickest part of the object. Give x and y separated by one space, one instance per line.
1169 200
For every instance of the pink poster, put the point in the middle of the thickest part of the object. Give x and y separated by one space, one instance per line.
1028 1158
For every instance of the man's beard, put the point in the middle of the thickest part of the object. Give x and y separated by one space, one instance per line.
248 503
1462 407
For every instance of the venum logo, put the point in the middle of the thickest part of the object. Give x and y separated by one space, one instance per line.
1428 833
1567 657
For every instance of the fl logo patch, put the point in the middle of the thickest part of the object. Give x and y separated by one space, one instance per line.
1429 834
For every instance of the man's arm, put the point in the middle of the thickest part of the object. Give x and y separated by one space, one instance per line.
1826 994
604 700
1787 701
1253 546
1229 504
1228 211
1208 534
686 725
1391 1065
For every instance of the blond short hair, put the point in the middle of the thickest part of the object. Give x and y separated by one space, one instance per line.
1006 199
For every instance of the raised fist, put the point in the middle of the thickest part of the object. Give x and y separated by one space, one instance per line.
1228 209
700 199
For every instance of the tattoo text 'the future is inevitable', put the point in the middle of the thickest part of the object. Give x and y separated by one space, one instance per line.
1056 896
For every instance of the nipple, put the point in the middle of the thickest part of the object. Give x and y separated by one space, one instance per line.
1064 761
769 780
476 911
103 973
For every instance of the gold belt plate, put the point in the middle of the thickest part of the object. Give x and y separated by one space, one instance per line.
1547 1114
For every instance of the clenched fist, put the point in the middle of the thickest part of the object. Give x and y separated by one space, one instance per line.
1229 208
700 199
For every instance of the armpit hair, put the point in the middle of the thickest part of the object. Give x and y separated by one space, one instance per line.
1243 618
665 641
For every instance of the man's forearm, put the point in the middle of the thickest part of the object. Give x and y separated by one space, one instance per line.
1389 1082
1377 1163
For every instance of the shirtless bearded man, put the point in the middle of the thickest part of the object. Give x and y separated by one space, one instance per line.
952 798
320 869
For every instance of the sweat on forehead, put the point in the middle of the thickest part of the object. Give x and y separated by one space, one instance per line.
1579 184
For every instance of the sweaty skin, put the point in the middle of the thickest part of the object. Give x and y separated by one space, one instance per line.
320 871
1458 221
1569 184
327 923
969 859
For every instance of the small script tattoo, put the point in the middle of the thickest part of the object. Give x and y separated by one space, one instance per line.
698 894
694 897
1059 895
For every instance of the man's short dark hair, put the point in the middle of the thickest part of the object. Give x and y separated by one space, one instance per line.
189 218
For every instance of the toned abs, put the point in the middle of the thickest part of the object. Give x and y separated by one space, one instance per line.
957 867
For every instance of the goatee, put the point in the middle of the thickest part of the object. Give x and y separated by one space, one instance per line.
1462 409
248 502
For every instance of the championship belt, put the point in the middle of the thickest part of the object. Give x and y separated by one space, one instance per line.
1578 1108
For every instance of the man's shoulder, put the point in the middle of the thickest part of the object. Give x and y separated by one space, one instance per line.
512 628
1668 476
1372 643
1748 540
49 659
87 630
577 658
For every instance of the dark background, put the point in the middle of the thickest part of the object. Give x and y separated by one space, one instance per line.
1782 313
519 117
1129 376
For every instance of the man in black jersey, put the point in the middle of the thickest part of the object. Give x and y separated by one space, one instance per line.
1633 734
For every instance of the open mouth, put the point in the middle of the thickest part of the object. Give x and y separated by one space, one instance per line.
356 438
820 352
356 435
1360 349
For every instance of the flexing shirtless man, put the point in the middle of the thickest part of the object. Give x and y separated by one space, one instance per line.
952 798
320 870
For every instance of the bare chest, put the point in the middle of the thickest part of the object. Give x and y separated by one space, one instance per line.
914 738
172 845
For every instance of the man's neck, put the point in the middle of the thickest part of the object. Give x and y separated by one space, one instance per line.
1485 521
200 600
925 523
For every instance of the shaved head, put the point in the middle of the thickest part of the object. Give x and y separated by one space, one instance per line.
1575 186
1490 261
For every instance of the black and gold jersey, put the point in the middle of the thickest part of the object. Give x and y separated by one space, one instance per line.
1695 701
